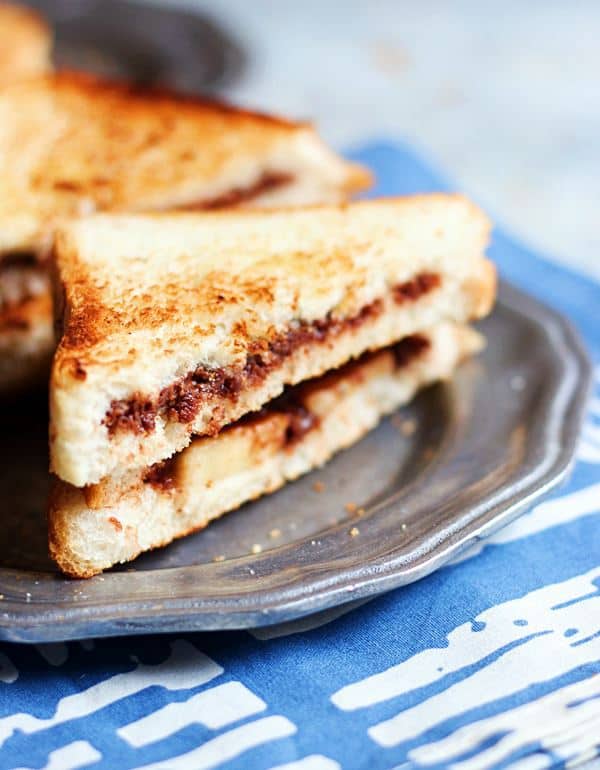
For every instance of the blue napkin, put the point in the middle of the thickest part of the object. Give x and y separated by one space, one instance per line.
491 662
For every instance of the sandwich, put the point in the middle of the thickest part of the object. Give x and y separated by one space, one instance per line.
25 310
25 43
182 331
177 325
72 144
95 527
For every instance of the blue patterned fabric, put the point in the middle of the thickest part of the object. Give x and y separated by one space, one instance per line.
492 661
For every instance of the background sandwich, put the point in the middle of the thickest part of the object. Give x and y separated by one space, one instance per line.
25 331
73 144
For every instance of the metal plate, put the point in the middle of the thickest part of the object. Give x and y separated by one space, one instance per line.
142 43
486 445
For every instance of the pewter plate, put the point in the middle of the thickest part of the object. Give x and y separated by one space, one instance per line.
484 448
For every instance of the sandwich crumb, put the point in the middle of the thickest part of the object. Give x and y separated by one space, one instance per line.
275 533
351 507
397 421
403 526
318 486
408 428
256 548
219 557
354 532
1 597
360 512
405 426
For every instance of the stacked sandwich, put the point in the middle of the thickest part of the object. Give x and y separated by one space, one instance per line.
208 357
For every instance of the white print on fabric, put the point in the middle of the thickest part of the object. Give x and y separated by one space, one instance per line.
558 625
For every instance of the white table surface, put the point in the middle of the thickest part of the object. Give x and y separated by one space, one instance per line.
504 95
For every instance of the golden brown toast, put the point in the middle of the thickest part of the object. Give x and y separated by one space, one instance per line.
175 325
72 144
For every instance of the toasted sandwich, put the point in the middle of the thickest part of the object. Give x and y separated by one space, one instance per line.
74 144
25 44
93 528
25 309
175 326
71 144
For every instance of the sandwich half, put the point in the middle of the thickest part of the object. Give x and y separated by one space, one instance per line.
71 144
25 44
93 528
175 326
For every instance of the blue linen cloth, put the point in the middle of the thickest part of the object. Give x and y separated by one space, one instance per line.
493 661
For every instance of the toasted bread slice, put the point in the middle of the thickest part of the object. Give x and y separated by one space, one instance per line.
93 528
25 44
71 144
179 325
74 144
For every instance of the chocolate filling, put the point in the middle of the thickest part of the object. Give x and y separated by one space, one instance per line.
268 181
301 422
18 259
410 348
182 400
411 290
137 415
291 403
161 475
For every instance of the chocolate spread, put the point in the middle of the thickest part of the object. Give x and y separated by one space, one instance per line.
267 182
410 348
411 290
18 259
161 475
290 403
182 400
134 414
